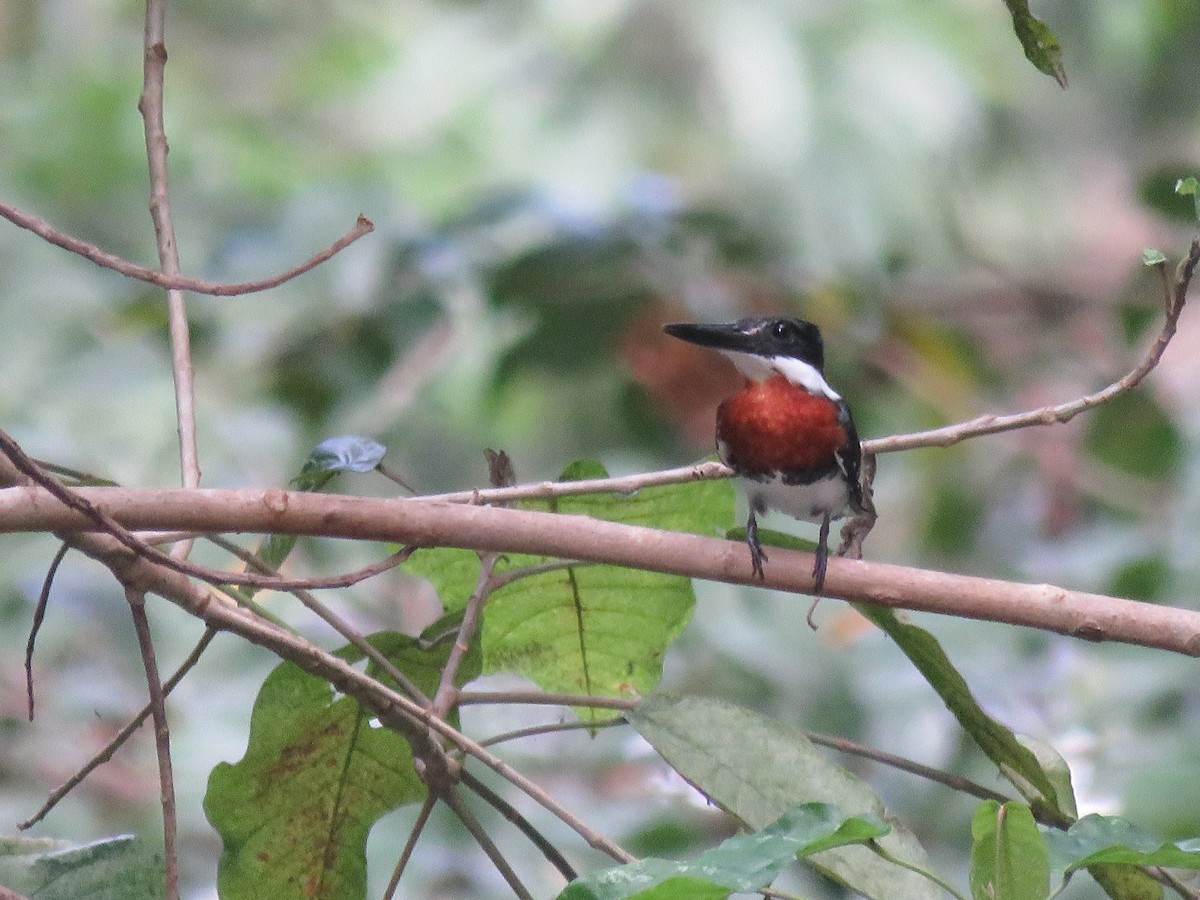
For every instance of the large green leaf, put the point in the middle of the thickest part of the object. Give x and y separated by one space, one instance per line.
758 769
744 862
118 868
1008 856
1017 762
594 630
295 812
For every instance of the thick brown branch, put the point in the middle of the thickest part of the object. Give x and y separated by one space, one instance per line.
420 523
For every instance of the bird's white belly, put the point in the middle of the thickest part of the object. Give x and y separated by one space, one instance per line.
800 501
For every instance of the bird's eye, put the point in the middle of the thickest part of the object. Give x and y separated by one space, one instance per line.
784 330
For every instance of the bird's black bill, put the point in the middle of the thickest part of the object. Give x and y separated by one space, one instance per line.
719 337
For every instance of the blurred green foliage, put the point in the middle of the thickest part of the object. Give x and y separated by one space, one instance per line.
550 182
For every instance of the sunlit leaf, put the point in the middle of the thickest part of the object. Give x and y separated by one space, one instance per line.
586 629
758 769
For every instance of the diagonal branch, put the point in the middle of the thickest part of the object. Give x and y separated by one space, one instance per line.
1174 295
121 737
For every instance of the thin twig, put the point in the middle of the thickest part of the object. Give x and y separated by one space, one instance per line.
46 231
544 698
162 738
510 812
508 576
447 692
121 737
551 728
955 782
623 484
485 842
39 615
410 845
1175 292
327 615
150 105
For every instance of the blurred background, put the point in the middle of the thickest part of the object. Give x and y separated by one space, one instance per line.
550 182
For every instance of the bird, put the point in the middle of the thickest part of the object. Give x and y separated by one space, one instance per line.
787 435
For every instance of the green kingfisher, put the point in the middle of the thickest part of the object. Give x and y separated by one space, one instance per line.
787 434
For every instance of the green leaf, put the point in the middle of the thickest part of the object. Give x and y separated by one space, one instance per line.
118 868
745 862
1134 434
1009 860
758 769
1113 839
1189 187
1038 41
1152 257
1125 882
1057 771
593 630
295 812
996 740
1141 579
1157 189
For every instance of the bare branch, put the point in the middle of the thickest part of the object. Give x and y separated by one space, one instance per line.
33 473
1175 292
510 812
447 694
223 614
162 738
410 845
43 229
420 523
121 737
1174 289
624 484
150 104
485 842
39 615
